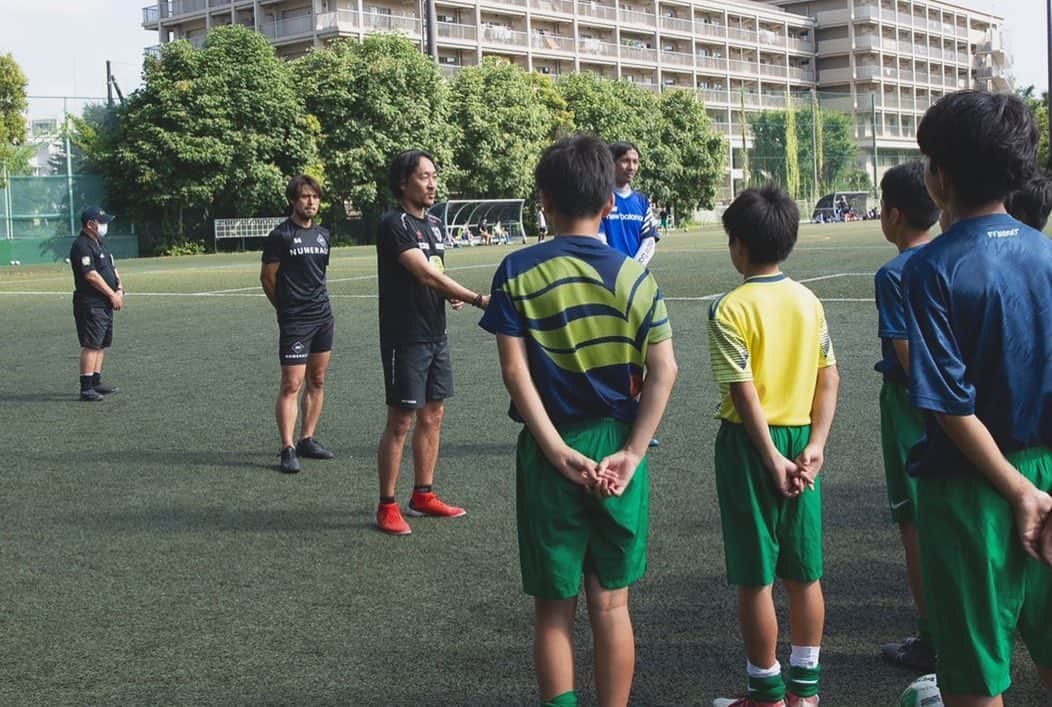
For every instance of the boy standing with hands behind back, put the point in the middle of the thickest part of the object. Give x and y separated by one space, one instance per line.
578 324
773 359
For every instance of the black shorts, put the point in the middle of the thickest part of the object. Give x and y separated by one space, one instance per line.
298 341
415 374
94 324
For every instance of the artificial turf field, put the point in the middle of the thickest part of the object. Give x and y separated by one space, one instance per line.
152 554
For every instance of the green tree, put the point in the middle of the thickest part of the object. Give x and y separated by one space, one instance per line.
688 162
14 156
613 110
1039 107
839 154
501 126
215 132
374 99
545 92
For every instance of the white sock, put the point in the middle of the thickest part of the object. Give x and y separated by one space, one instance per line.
754 672
804 656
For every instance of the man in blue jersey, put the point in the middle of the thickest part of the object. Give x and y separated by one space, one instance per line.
590 389
978 300
629 227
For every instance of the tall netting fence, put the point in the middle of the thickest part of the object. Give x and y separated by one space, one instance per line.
822 147
42 198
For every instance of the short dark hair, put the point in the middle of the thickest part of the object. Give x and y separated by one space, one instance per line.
577 174
986 142
618 149
1032 203
402 167
902 187
766 221
292 191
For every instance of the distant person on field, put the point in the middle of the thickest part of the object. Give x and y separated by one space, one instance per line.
773 359
295 259
542 225
1032 203
980 341
590 390
97 293
418 370
907 217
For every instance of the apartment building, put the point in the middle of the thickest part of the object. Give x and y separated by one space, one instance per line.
891 59
741 56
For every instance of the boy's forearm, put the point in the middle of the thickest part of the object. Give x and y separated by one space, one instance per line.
823 405
657 389
977 444
747 403
515 371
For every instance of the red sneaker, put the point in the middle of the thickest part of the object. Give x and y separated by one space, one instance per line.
428 504
389 519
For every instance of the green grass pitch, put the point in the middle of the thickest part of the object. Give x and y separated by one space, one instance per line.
151 553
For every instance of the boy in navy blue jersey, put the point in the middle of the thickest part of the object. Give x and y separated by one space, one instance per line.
979 300
907 215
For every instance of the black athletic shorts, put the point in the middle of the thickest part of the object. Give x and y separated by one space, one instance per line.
415 374
298 341
94 324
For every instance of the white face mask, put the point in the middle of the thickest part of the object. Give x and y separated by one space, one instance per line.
102 228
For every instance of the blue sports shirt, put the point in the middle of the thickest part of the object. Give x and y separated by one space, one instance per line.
979 313
891 315
629 223
588 314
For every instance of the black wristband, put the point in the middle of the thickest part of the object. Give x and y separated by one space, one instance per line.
477 302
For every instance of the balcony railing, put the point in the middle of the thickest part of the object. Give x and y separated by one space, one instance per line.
713 96
151 15
596 11
377 22
709 29
184 7
718 63
496 34
291 27
742 35
597 47
676 24
551 42
677 58
800 74
772 70
559 7
744 67
339 21
637 54
634 17
457 32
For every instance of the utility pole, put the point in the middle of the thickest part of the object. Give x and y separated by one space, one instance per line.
109 84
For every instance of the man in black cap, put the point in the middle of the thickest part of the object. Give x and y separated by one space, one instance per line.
96 294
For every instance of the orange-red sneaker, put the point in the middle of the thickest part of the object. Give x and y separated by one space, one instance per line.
428 504
389 519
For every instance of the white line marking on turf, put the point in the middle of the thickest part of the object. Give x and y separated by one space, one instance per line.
705 298
344 279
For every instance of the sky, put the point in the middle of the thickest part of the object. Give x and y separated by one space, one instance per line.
62 45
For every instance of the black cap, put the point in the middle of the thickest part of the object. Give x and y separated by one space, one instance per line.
95 213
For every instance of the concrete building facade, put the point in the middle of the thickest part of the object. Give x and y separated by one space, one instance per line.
885 60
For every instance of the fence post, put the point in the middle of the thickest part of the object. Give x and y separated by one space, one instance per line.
69 165
873 118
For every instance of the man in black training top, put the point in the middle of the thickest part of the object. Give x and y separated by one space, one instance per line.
96 294
418 372
295 256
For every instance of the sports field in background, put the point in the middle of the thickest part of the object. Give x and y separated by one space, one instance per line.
150 552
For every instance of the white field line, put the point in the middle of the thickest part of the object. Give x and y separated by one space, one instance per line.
243 292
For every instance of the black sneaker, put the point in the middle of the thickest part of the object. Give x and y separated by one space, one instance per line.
103 389
911 653
309 447
90 395
290 463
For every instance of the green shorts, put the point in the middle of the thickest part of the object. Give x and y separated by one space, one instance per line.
564 530
901 425
979 584
764 533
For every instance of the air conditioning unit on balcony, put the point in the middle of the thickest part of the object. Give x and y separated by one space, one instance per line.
546 69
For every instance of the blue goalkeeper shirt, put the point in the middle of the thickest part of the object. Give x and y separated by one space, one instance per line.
629 223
